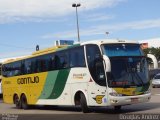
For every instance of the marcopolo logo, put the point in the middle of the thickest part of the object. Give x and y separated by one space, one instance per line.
79 76
28 80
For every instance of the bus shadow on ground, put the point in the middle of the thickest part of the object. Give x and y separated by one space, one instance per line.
138 108
106 110
57 108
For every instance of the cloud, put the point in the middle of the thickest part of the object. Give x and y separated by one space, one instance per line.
41 10
8 55
98 17
135 25
101 29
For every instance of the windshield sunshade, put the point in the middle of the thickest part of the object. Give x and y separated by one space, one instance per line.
112 50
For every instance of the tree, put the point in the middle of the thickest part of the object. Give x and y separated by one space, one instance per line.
154 51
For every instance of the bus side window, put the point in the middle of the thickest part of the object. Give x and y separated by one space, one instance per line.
77 57
27 66
62 60
4 70
52 62
57 62
9 70
16 68
22 68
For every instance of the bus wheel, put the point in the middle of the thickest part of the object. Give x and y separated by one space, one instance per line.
117 108
83 103
17 102
24 103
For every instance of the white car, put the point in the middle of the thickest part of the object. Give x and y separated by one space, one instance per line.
156 81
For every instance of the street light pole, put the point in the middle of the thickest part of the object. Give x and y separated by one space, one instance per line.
76 6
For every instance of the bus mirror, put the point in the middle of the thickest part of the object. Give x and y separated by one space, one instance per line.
107 63
154 60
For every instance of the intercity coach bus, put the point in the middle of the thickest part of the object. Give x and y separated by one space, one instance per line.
90 74
0 80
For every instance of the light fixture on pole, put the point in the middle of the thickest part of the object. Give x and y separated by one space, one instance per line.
107 33
76 6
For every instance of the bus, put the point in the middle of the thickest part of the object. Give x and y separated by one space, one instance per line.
0 85
0 81
89 74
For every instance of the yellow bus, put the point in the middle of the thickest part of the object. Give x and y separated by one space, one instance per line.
90 74
0 80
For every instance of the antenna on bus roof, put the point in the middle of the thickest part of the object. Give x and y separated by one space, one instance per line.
37 47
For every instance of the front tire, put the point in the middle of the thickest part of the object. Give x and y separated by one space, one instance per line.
83 103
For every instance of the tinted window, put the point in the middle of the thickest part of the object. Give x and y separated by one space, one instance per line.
157 77
12 69
77 57
61 60
113 50
16 68
43 63
73 57
93 53
27 66
95 64
0 69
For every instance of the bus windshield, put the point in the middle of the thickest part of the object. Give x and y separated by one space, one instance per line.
128 65
113 50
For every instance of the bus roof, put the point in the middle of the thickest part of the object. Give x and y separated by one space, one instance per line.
58 48
110 41
39 52
6 60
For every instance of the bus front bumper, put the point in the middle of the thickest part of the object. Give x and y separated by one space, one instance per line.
127 100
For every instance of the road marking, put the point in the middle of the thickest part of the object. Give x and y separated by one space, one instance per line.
156 94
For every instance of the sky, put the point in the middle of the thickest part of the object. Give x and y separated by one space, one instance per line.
27 23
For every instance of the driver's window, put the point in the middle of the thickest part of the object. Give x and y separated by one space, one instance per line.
95 64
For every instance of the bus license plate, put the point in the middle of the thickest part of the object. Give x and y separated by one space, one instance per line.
134 100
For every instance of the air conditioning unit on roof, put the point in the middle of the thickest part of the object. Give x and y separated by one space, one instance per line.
64 42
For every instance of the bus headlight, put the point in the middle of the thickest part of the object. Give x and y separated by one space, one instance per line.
115 94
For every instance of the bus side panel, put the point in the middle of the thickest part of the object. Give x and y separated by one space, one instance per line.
8 86
33 90
56 90
81 81
97 94
78 80
31 85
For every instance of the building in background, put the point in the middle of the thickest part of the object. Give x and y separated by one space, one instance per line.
144 45
155 42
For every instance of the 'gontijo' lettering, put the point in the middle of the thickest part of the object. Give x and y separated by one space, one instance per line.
28 80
